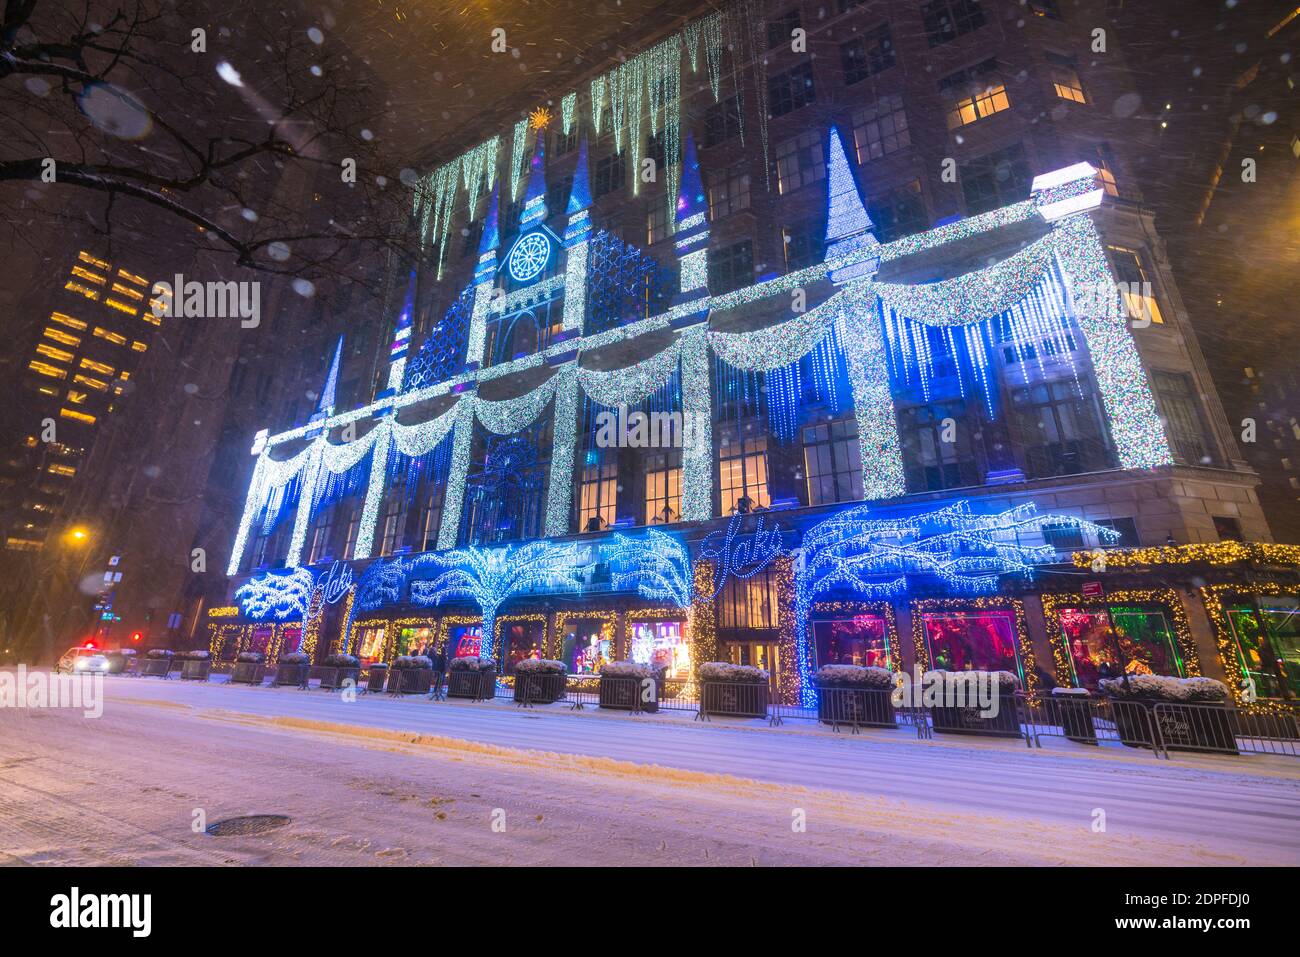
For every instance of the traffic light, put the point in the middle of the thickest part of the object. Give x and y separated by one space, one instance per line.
136 636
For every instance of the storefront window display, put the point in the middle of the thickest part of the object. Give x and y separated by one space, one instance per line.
370 644
464 641
1115 640
415 640
661 644
1270 658
857 640
520 640
291 641
260 639
585 646
976 640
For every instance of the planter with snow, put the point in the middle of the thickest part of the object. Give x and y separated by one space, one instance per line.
540 681
157 662
959 711
337 669
472 677
854 695
1186 714
738 691
195 665
293 668
250 668
410 674
629 686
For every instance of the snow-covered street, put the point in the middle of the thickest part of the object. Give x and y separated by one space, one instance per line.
409 781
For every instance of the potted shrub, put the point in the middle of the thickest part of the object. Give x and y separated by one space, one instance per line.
376 674
1071 708
157 662
337 669
471 677
250 668
410 674
959 711
195 665
540 681
737 690
623 685
1190 714
292 669
855 695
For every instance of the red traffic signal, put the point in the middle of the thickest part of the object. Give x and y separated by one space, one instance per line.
136 636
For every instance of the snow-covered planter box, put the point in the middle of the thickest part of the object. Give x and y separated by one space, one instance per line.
337 669
623 685
471 677
855 695
410 674
1190 714
158 662
540 681
292 669
970 719
249 669
739 691
195 665
1071 708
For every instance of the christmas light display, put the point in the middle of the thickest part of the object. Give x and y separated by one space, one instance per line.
488 577
505 416
656 564
879 444
774 347
564 437
1209 553
872 557
740 556
277 594
519 144
567 107
697 406
325 406
848 227
453 499
629 385
608 625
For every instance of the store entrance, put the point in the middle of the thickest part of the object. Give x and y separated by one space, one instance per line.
760 654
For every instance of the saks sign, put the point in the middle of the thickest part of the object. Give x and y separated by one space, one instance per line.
336 582
738 554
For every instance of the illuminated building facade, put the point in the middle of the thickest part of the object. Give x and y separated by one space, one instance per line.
812 406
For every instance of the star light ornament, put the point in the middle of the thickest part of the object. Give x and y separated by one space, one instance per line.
488 577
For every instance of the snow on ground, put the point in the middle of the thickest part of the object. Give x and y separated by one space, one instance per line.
409 781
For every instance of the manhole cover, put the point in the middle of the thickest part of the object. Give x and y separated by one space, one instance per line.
252 824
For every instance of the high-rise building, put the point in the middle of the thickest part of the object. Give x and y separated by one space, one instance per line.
89 345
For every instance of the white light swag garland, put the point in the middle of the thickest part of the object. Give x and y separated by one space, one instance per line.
775 347
974 296
629 385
